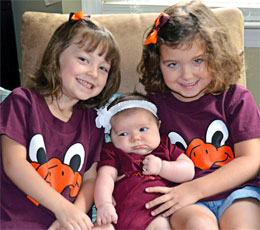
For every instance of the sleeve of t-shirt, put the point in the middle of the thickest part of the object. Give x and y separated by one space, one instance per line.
174 150
14 113
243 116
108 157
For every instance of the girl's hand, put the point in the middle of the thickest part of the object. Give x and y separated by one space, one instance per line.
71 218
152 165
55 226
172 199
106 214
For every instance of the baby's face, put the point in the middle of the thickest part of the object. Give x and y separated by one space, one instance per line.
135 131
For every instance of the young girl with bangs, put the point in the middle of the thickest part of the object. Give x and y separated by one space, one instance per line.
49 141
190 68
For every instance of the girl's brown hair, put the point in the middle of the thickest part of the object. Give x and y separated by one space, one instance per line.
191 22
47 82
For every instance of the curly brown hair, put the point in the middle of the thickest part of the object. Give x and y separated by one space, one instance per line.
47 81
189 22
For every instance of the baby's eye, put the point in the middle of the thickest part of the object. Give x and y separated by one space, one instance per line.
83 59
173 65
143 129
123 134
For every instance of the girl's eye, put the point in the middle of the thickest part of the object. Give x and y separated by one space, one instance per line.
143 129
104 69
83 59
198 60
173 65
123 134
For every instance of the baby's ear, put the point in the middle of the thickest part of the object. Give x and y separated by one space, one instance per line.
159 123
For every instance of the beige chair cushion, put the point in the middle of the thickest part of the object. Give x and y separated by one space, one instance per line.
128 30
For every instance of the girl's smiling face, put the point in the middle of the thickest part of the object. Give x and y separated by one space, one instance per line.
84 74
185 71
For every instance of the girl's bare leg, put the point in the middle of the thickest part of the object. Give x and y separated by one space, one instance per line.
104 227
159 222
194 217
242 214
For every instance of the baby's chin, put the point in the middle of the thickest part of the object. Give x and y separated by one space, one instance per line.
142 152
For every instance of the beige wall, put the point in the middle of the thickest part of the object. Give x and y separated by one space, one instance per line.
252 56
20 6
71 6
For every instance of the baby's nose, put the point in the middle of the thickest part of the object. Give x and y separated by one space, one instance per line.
135 137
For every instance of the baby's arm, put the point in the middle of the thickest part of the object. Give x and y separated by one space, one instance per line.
20 171
178 171
104 187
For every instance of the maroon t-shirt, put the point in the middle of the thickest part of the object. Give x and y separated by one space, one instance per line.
129 192
208 128
61 152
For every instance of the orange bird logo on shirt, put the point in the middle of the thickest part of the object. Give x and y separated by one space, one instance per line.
59 175
212 152
206 155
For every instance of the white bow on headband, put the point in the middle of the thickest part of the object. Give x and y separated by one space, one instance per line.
104 115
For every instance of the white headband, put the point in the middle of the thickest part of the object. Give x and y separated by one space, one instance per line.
104 115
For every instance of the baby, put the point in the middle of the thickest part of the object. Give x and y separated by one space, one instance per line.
140 158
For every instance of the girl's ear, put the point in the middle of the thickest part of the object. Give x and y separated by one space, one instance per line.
159 123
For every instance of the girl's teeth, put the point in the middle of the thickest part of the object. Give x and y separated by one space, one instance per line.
85 83
189 84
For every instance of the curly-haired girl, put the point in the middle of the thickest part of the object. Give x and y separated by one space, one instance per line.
190 68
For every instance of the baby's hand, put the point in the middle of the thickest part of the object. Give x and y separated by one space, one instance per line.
106 214
152 165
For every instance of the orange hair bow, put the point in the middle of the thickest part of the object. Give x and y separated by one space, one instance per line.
77 16
159 22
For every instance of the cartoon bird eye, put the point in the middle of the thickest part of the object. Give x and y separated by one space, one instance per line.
178 140
37 151
75 156
217 133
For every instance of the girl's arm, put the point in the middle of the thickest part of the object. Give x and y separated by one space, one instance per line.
21 173
178 171
85 197
104 188
238 171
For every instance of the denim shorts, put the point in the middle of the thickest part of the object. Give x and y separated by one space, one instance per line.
219 206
